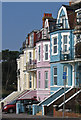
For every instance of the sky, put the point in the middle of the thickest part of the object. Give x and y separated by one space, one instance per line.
20 18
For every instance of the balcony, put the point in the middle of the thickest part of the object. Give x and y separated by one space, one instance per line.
31 66
65 55
78 49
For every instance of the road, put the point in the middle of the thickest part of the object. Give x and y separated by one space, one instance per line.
24 116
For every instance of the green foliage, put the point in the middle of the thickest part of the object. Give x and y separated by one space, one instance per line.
9 67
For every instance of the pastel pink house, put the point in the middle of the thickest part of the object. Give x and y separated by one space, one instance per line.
43 58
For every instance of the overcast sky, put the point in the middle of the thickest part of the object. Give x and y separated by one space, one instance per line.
20 18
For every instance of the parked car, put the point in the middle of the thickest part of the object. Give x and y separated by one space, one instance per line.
11 107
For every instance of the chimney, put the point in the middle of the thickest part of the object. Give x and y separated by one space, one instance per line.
70 3
46 15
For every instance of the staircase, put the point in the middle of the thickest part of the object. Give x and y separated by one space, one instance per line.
71 101
9 97
60 100
52 97
14 95
30 94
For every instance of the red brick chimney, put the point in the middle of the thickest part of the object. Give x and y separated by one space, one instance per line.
70 3
46 15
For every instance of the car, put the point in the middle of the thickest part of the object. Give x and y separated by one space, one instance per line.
11 107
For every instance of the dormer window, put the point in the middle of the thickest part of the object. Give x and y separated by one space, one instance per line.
63 22
31 39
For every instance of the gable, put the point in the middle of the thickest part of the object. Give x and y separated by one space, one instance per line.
62 15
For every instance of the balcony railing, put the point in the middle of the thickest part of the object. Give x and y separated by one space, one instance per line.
31 65
66 55
78 50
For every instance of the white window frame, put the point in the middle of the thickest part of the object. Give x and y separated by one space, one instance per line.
65 44
39 55
30 57
30 81
46 43
46 52
64 24
54 36
25 80
68 40
46 80
39 80
24 58
54 75
66 74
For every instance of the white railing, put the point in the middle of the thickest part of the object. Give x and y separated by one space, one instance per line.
70 98
60 96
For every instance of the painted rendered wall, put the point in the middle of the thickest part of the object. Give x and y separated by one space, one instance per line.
43 66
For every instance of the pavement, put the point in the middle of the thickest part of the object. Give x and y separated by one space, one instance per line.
24 116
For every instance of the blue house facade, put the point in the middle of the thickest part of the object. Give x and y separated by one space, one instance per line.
62 51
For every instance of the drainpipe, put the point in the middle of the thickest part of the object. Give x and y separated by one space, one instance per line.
73 74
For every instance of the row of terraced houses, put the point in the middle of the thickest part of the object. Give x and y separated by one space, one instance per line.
49 53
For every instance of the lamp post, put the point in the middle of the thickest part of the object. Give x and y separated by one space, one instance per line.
64 79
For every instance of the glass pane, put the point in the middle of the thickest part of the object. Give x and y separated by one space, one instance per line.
30 84
39 49
55 80
39 75
46 56
39 83
46 48
55 49
46 83
46 75
30 54
65 39
65 48
55 71
55 41
30 77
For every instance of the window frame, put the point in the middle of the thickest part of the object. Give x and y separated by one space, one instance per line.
55 45
39 80
66 73
46 80
30 58
55 67
30 81
39 53
65 44
46 52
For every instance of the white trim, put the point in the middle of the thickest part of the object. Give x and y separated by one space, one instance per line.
68 40
50 96
38 51
55 76
46 43
53 36
43 93
60 96
25 94
42 89
58 86
31 54
78 10
66 16
70 98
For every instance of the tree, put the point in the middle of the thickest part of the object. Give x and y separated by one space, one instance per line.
9 67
